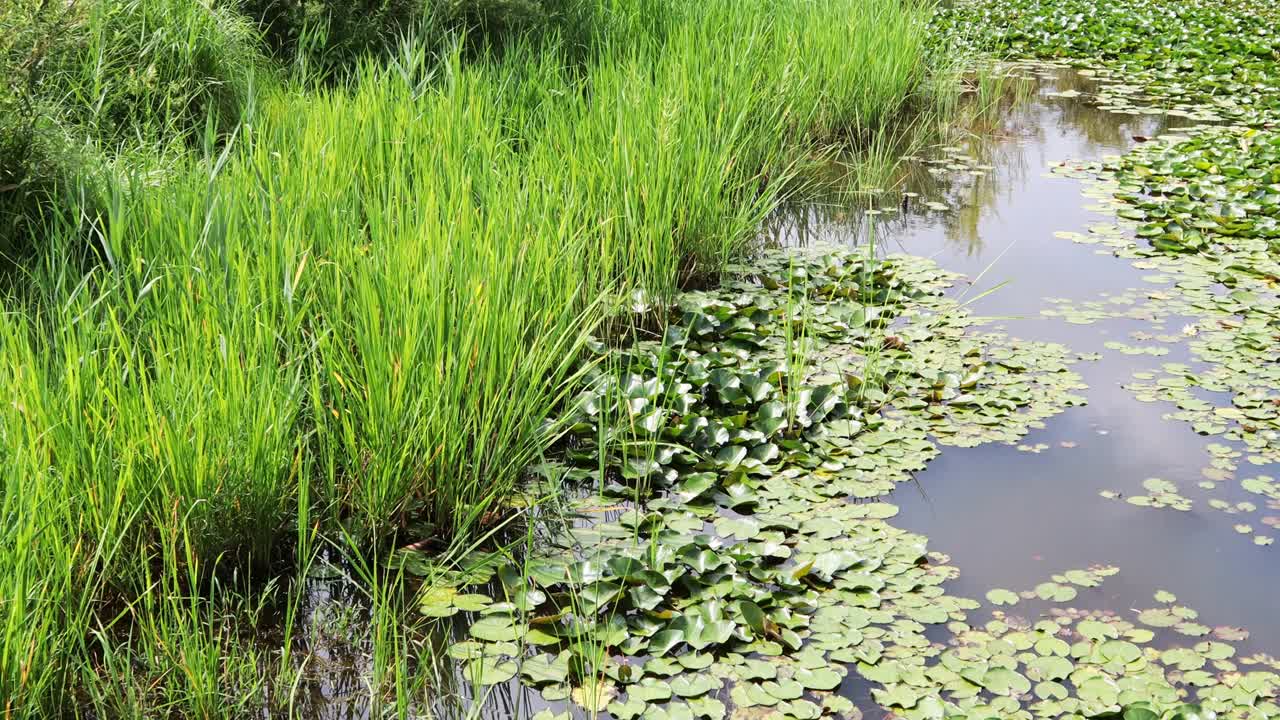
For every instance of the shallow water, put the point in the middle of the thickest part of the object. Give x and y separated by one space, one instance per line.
1010 518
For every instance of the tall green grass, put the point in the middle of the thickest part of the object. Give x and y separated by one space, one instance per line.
361 308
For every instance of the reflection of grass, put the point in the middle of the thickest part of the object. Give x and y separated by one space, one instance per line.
991 90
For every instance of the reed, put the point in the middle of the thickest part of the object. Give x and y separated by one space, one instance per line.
360 307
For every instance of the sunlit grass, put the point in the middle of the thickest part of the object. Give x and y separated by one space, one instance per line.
363 308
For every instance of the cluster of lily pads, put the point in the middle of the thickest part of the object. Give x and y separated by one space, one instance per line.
1074 661
1161 494
740 573
1210 206
1203 59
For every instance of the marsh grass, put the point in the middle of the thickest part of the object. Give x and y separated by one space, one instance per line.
89 85
356 311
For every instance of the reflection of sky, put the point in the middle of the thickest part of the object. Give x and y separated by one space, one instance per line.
1009 518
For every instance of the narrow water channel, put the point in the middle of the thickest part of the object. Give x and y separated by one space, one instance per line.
1011 517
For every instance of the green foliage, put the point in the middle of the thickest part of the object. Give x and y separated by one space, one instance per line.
332 32
364 310
129 70
1201 55
330 36
28 175
84 81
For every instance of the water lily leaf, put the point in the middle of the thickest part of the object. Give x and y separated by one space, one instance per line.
701 560
1004 681
556 693
694 485
896 696
594 696
741 528
885 673
661 643
1051 691
828 564
840 706
627 710
672 711
495 628
1192 712
1083 578
1099 689
1140 713
662 667
757 670
1226 632
598 595
1055 592
688 686
707 707
472 602
818 678
644 597
650 690
489 670
585 571
538 637
1158 617
1184 659
703 629
754 616
466 650
800 710
545 669
782 689
1000 596
1051 667
731 456
1120 651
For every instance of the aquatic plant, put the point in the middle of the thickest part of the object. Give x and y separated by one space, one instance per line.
1203 58
741 576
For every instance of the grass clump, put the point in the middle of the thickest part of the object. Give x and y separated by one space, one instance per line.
329 37
364 310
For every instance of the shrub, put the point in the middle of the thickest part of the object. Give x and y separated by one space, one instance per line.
83 81
331 33
330 36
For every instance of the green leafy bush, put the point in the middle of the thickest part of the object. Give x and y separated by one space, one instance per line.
329 36
331 32
83 81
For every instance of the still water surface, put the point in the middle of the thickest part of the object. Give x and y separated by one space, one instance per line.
1010 518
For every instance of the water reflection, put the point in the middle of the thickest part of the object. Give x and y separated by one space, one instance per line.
1011 519
1019 140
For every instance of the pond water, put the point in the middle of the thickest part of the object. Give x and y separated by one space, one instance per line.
1009 518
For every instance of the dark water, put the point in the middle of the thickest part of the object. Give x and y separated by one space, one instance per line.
1009 518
